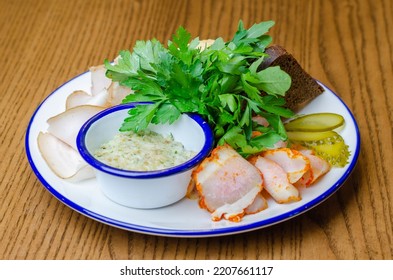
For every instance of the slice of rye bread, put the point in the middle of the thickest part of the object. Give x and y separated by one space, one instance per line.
303 88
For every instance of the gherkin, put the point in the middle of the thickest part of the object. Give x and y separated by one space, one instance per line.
327 144
316 122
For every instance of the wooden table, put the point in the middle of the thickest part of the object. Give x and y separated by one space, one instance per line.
346 44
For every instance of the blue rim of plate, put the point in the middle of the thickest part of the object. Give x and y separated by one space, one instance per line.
236 229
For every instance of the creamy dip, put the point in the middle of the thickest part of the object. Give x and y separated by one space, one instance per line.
142 151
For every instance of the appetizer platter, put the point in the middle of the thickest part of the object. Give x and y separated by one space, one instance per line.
284 142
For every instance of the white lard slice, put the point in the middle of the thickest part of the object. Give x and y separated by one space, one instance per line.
67 124
62 159
116 93
99 81
80 97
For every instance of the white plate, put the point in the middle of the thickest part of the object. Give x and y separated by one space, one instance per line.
185 218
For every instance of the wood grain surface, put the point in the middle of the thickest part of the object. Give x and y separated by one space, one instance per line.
346 44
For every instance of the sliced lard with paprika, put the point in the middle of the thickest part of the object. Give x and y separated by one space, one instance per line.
275 180
227 184
318 167
292 161
259 204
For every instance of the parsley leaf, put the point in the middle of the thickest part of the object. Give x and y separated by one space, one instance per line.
222 83
166 113
140 117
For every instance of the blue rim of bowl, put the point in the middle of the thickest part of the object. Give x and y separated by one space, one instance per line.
191 163
192 233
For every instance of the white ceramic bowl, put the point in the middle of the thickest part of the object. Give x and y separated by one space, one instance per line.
144 189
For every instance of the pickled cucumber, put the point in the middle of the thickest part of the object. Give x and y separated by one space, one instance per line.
308 136
316 122
327 144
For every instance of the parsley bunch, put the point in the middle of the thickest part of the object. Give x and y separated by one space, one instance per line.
223 83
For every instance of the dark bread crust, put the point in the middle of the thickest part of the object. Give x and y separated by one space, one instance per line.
303 88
